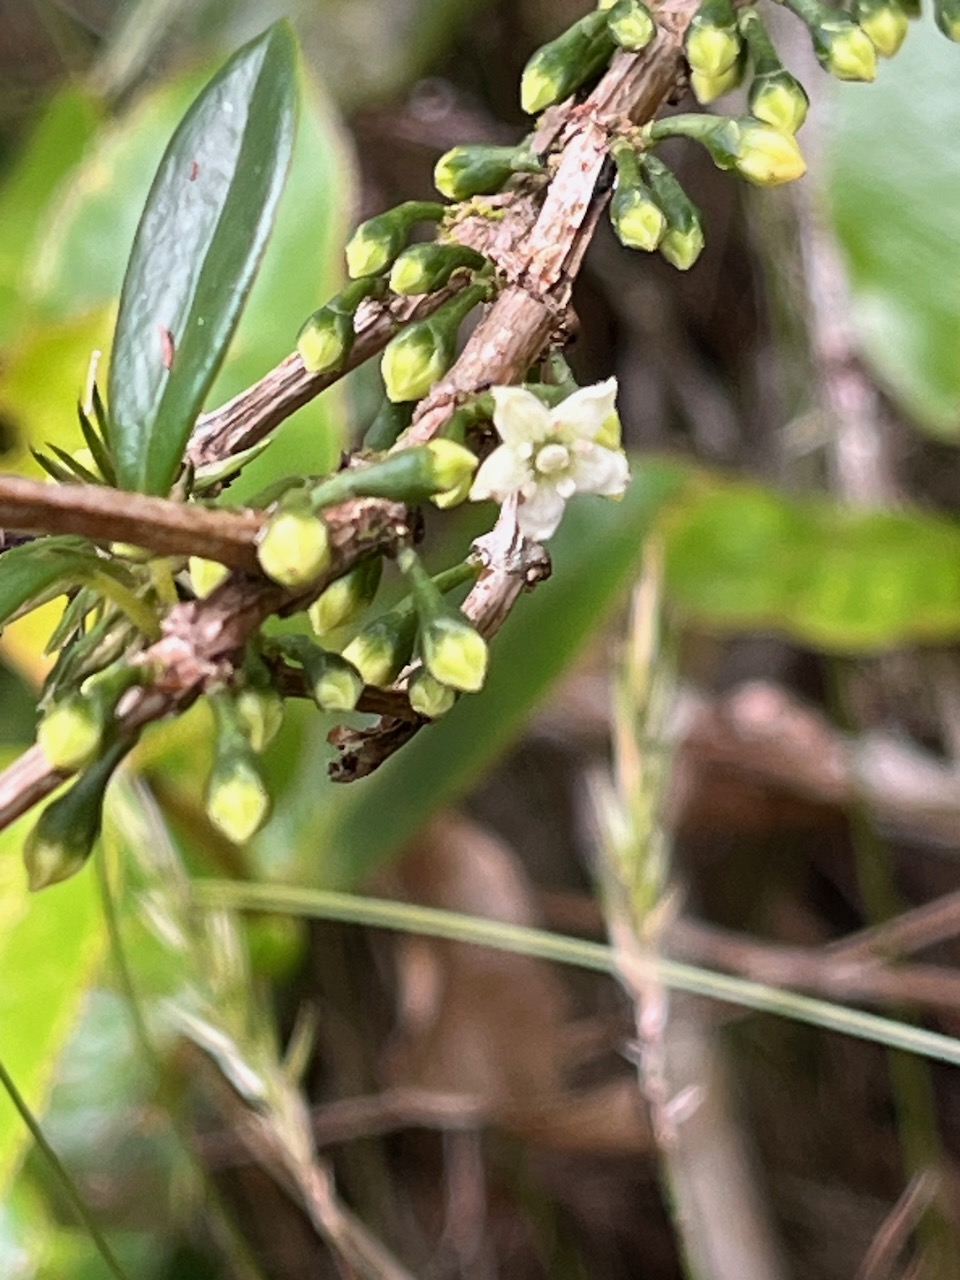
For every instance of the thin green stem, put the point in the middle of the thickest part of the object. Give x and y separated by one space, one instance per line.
66 1182
412 918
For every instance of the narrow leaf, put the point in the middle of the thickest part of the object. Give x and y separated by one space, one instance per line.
196 251
29 573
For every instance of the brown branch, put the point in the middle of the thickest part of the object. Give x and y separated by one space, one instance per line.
110 515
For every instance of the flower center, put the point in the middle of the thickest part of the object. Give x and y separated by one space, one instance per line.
552 459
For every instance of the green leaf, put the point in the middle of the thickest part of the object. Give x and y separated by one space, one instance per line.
50 945
32 571
595 555
197 249
739 557
894 191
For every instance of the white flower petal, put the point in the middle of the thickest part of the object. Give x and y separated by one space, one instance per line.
501 474
582 415
539 515
599 470
519 416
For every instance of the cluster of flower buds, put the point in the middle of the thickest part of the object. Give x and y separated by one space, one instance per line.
650 210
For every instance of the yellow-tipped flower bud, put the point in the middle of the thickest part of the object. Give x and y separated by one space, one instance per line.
707 89
384 647
712 42
335 683
206 576
294 548
559 68
637 219
470 171
71 732
766 156
682 242
375 243
885 23
344 600
632 26
237 800
260 713
422 353
325 340
452 464
428 697
423 268
845 50
454 496
67 829
779 100
454 652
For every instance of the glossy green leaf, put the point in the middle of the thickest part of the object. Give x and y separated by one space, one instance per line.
50 946
33 571
596 554
197 249
894 191
739 557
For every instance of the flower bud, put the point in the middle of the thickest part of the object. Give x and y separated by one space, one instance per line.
885 23
260 714
712 42
206 575
335 683
294 547
422 353
325 340
480 170
423 268
632 26
707 89
375 243
634 214
780 100
559 68
452 464
454 496
405 475
344 600
71 732
384 647
766 156
682 241
842 48
65 833
428 697
453 651
237 801
947 15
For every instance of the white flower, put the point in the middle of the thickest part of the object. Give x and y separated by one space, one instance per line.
548 455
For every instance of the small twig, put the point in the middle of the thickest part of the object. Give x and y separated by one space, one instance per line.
900 1223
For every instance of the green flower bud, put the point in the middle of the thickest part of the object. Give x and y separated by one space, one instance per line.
375 243
389 425
65 833
454 652
344 600
428 697
454 496
841 46
559 68
712 42
635 216
406 475
422 353
479 170
707 89
206 576
325 340
423 268
756 151
780 100
294 547
384 647
452 464
260 714
632 26
766 156
885 23
682 242
237 801
947 15
335 683
71 732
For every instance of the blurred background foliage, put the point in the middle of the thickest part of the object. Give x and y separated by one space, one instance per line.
716 369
